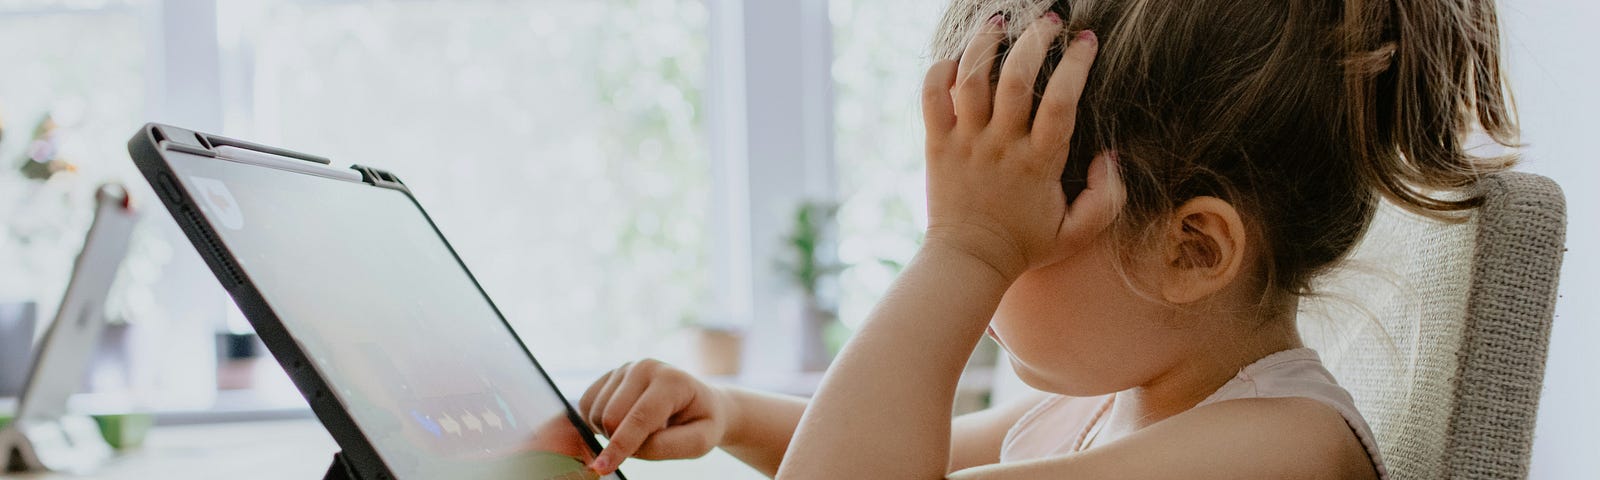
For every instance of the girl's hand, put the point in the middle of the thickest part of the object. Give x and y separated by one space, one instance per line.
994 179
653 411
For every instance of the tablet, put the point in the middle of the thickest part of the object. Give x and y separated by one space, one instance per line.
400 353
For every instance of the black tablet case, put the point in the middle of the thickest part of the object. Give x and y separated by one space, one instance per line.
358 460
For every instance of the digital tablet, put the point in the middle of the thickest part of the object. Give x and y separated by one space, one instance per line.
400 353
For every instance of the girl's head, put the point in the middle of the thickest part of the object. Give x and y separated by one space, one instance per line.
1255 138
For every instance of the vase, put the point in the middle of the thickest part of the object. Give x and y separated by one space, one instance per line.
718 351
815 356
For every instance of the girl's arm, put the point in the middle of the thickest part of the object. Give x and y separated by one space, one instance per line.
884 410
651 410
760 428
996 208
762 425
975 438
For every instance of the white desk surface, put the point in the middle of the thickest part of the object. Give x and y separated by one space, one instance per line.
301 449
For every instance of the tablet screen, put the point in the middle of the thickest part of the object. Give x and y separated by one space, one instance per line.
431 374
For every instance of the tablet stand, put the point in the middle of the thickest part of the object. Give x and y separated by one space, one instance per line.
340 470
69 443
45 436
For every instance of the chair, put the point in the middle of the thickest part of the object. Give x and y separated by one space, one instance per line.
1440 330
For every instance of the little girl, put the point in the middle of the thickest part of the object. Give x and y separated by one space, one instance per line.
1130 196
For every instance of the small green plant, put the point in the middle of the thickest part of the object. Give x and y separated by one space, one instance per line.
810 262
809 265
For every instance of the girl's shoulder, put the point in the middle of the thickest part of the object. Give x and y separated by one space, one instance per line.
1281 437
1298 376
1285 406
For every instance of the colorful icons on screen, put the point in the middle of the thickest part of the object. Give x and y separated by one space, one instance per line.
505 409
464 422
428 424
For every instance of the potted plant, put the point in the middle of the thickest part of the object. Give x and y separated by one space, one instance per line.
812 265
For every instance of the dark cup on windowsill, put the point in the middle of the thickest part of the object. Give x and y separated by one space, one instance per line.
237 355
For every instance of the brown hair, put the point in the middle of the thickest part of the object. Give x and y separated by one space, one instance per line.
1301 113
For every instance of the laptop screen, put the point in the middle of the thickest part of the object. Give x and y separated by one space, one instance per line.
429 371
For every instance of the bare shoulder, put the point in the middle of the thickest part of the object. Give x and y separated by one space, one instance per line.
1246 438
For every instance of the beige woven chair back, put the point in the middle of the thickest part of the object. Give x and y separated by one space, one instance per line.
1440 330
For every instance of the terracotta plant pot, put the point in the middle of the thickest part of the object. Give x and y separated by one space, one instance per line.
815 352
718 351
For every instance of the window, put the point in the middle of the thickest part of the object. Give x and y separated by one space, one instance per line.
92 87
557 144
880 56
590 111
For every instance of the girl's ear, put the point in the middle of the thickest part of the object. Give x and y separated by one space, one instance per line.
1204 252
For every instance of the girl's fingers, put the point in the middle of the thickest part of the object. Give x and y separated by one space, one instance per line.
623 398
1058 109
1095 208
689 440
648 415
602 398
1013 102
938 109
973 98
593 391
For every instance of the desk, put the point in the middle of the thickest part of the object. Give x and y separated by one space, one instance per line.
301 449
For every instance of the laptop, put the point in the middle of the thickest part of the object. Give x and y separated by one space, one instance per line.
399 352
45 436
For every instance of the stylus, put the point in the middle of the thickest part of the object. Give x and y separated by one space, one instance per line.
264 159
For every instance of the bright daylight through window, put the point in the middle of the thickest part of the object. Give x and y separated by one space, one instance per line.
880 55
62 111
557 144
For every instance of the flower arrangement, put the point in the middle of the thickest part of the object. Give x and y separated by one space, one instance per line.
39 215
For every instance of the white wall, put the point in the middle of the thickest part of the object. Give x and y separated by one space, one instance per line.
1554 68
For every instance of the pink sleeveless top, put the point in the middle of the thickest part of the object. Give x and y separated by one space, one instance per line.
1058 424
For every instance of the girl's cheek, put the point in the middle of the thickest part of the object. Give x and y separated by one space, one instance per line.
1066 321
1030 325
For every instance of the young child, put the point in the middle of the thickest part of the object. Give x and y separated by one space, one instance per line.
1130 196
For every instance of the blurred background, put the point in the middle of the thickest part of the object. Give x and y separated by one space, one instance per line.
724 184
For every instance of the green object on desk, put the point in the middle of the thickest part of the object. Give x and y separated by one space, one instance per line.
125 431
121 431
